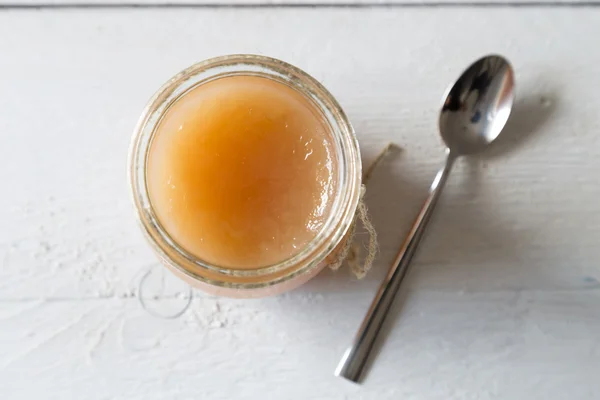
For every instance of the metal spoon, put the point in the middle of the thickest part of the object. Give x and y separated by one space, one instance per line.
474 113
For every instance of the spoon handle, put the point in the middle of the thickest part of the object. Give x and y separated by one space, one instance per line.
355 358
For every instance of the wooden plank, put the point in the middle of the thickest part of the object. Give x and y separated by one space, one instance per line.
524 217
445 346
250 3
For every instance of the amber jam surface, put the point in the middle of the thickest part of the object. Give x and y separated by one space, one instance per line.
241 172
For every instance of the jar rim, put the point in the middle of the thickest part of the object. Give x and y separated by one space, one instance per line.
347 196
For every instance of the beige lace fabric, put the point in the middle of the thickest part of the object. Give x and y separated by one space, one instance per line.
350 252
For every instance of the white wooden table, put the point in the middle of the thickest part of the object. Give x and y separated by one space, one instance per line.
503 301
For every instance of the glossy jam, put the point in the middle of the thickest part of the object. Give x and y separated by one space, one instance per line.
241 173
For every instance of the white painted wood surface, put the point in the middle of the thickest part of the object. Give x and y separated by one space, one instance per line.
302 3
504 298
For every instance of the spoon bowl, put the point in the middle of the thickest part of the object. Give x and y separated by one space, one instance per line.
477 106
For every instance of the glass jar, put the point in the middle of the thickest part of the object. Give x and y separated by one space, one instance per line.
267 280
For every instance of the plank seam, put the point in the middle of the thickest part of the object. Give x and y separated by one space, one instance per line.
423 4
